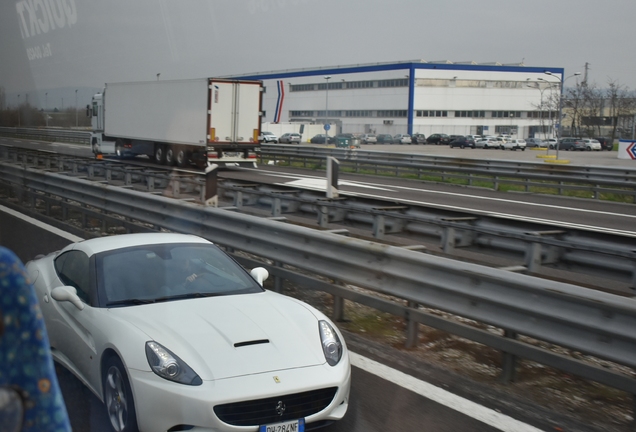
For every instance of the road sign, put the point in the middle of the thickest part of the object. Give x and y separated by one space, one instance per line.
327 126
627 149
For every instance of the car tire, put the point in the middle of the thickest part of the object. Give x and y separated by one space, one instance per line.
118 398
588 148
551 147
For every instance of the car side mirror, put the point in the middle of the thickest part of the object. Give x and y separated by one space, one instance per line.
69 294
260 274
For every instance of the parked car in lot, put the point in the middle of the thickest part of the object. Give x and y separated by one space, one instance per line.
552 143
418 138
570 144
369 139
474 137
169 331
321 139
514 144
592 144
606 143
268 137
438 139
535 142
462 142
504 137
290 138
402 139
347 140
487 143
384 139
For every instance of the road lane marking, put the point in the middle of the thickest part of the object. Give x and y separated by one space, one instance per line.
455 194
41 225
320 184
443 397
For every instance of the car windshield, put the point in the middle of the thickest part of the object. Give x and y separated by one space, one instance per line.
150 273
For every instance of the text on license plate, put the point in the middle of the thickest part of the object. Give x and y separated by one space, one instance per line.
289 426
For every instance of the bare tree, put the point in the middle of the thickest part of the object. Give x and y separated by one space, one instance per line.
591 109
575 100
622 104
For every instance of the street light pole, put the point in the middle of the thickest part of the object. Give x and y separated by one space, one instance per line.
327 78
46 108
18 110
560 119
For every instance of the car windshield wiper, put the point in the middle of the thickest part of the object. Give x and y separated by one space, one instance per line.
187 296
134 301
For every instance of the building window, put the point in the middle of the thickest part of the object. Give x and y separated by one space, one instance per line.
358 113
394 83
541 114
391 113
470 113
425 113
302 87
332 86
303 113
359 84
506 114
506 129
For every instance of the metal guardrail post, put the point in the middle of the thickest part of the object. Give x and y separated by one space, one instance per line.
509 361
379 226
448 240
278 280
412 326
323 216
338 306
533 257
276 207
238 199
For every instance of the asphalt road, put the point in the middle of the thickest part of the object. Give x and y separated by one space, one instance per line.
558 211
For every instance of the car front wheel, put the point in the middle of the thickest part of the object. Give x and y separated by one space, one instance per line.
118 397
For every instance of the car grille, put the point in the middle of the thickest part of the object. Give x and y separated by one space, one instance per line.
266 411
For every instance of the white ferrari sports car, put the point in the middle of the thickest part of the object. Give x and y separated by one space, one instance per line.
173 335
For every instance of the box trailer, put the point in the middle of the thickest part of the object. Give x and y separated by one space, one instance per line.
179 122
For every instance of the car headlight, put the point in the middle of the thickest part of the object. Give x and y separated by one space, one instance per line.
331 345
167 365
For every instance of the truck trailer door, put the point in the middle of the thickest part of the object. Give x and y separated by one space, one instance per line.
234 112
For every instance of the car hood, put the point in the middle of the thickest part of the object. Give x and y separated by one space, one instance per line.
229 336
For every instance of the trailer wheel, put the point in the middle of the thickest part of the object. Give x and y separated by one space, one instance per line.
160 154
170 155
181 157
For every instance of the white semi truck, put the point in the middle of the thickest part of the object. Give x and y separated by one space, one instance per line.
179 122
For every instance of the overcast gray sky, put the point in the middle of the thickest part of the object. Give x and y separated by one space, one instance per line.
51 44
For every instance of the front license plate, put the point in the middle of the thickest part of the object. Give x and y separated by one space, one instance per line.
289 426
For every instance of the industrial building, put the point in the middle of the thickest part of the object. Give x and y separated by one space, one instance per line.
414 97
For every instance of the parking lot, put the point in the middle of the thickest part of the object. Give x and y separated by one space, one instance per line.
590 158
